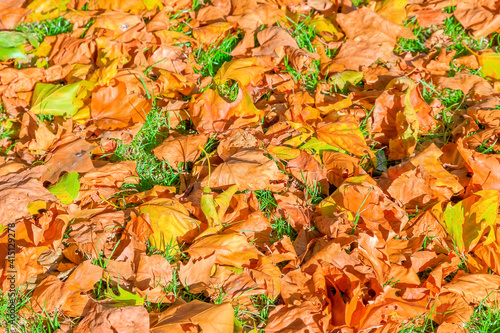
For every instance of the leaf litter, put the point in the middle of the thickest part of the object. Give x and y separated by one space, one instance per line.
250 166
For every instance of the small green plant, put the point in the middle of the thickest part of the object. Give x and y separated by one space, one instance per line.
151 171
312 192
308 79
303 33
281 228
47 28
229 90
486 148
5 125
485 319
461 39
267 202
43 322
414 45
212 58
452 101
171 252
258 318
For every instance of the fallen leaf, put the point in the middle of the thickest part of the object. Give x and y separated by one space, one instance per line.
169 221
470 219
182 149
210 318
240 169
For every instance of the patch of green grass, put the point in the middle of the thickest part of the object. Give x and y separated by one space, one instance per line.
171 252
452 28
459 36
413 45
47 28
267 202
100 289
303 33
452 100
229 90
486 148
150 169
255 319
45 117
281 228
427 327
312 192
176 288
210 146
212 59
308 79
485 319
36 323
360 2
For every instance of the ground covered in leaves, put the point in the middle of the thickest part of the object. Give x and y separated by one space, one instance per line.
249 166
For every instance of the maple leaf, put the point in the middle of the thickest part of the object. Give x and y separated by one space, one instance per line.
470 219
170 220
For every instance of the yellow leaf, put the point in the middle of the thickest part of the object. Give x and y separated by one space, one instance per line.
394 10
490 64
46 9
283 152
243 70
344 133
169 220
467 221
35 206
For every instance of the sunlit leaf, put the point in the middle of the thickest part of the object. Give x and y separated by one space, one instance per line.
169 220
123 297
470 219
57 100
490 65
67 188
242 70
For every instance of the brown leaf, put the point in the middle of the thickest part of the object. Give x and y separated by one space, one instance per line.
343 133
241 168
112 107
423 181
479 15
195 275
370 37
130 319
360 196
476 288
308 170
276 42
211 113
340 166
485 168
292 206
451 312
467 83
18 190
230 249
153 271
210 318
71 157
180 149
